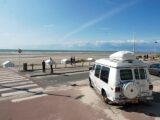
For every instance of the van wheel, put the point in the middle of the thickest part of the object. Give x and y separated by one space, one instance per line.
90 83
159 74
104 95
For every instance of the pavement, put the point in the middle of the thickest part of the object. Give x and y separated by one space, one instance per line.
62 105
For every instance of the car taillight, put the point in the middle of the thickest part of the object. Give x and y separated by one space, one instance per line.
150 87
117 89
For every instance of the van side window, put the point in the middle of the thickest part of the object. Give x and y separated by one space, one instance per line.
104 74
142 73
97 70
93 67
126 74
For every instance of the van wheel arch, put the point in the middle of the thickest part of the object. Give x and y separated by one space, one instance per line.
104 95
90 83
159 74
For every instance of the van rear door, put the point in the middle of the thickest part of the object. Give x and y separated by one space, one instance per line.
141 77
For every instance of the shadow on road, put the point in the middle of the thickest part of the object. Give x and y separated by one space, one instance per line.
150 109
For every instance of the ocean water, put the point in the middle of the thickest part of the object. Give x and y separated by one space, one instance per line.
32 52
14 51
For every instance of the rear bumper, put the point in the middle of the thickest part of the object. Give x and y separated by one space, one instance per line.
135 100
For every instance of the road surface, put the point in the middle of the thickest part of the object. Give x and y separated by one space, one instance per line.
63 79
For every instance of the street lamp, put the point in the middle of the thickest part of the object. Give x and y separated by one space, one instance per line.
19 51
133 43
155 48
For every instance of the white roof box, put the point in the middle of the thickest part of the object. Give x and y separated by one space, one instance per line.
122 56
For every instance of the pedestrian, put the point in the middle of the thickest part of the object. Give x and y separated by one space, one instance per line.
43 66
51 64
74 61
71 60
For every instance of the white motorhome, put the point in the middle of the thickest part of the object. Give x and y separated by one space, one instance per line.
121 78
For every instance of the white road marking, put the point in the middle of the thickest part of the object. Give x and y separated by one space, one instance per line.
28 98
36 90
13 93
18 83
39 89
11 77
18 87
11 81
6 72
25 86
5 89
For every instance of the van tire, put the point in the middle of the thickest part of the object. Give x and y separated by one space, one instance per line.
159 74
104 96
90 83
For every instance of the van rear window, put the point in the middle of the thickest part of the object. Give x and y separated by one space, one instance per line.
136 73
140 74
126 74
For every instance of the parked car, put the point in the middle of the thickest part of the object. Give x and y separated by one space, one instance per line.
121 79
154 69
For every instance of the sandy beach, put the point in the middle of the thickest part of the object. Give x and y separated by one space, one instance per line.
38 57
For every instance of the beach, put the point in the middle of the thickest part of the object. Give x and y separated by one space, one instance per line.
38 57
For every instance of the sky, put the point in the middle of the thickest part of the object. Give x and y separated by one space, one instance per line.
99 25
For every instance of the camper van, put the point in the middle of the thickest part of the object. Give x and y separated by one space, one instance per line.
121 79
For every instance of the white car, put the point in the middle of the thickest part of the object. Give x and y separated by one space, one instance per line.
121 78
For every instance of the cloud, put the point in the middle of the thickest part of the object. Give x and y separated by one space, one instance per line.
99 19
118 42
99 43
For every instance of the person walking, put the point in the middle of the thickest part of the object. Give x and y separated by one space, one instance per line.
71 60
43 66
51 65
74 61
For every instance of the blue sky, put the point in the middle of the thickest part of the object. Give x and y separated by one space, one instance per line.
80 24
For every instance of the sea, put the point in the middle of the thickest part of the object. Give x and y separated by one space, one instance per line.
15 51
24 51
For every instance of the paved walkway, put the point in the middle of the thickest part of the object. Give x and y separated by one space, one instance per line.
17 87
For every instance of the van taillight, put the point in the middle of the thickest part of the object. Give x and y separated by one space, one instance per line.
117 89
150 87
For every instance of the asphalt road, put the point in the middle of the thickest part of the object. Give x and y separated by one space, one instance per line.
64 79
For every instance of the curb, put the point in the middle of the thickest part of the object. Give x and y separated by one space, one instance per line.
47 74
